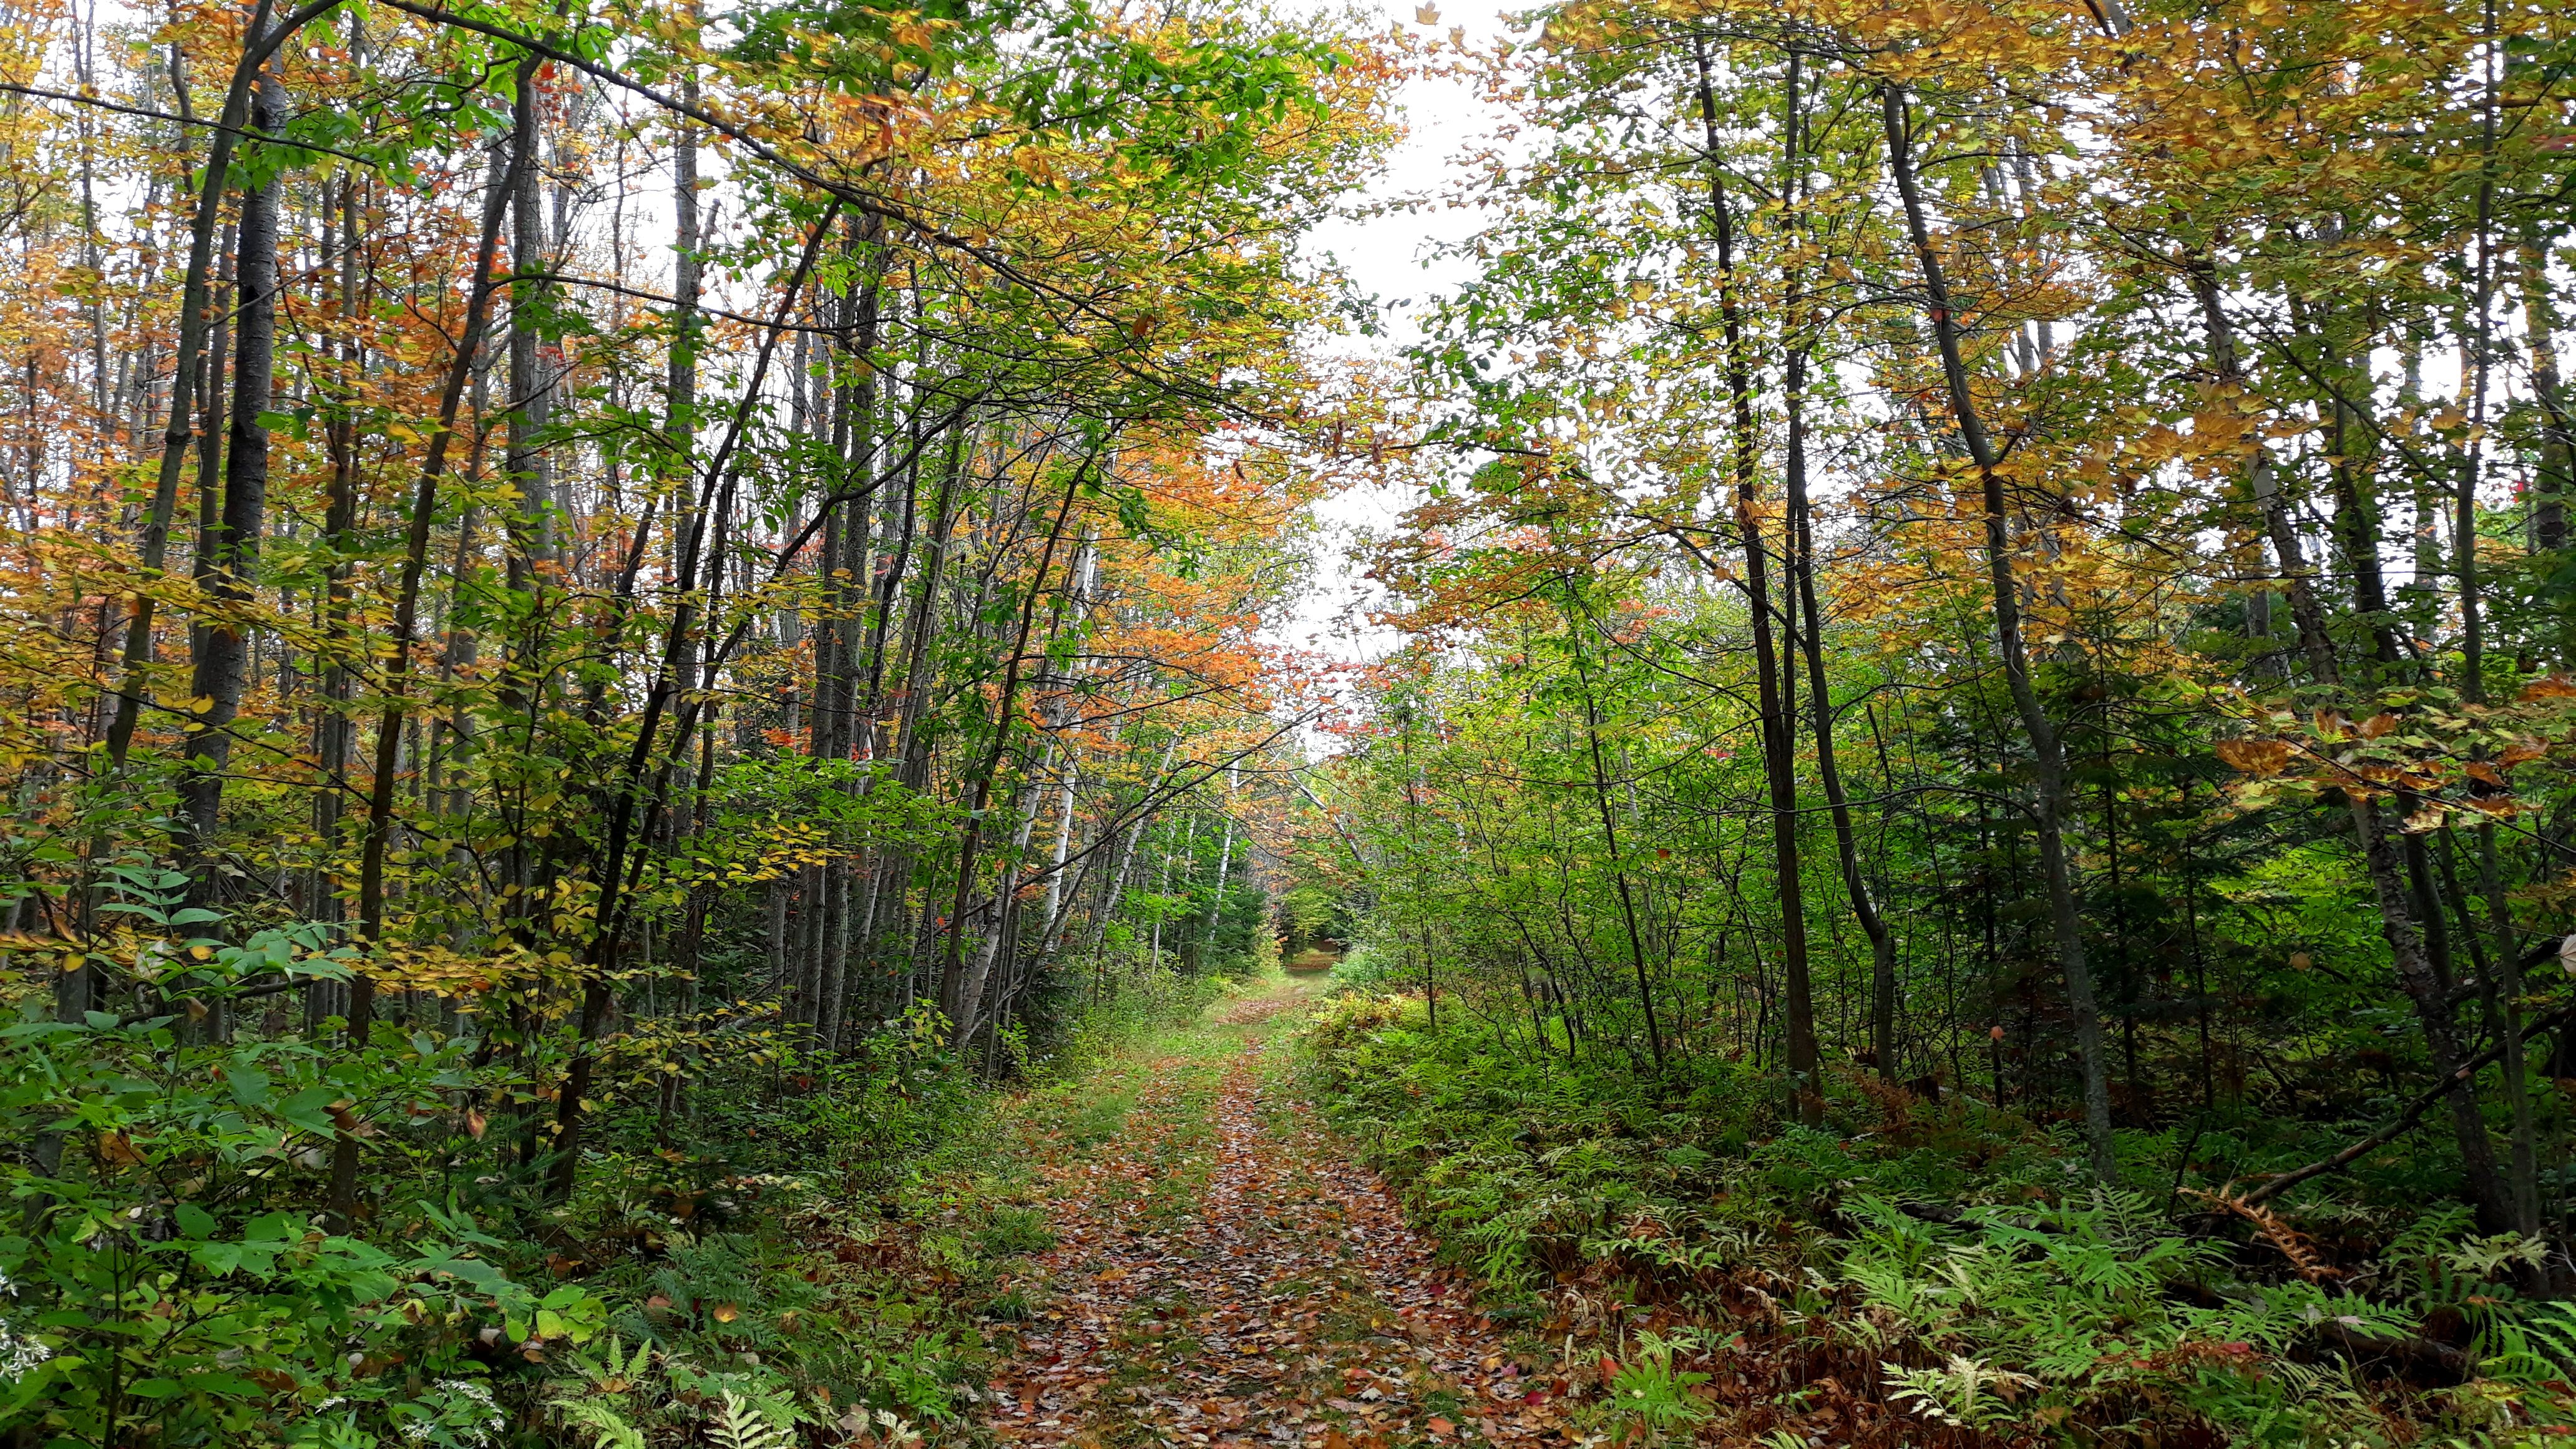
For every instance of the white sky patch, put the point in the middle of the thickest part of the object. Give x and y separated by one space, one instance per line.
1389 255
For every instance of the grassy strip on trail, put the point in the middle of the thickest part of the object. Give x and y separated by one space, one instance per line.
1224 1274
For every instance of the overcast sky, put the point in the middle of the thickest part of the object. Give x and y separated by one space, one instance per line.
1384 255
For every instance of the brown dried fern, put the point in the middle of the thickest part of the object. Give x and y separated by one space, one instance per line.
2269 1228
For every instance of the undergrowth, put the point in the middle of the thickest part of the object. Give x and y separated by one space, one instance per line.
1921 1273
851 1297
803 1251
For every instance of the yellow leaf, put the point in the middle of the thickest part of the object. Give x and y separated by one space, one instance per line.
2254 757
2554 685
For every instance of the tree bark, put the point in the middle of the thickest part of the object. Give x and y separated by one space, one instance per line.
1779 757
194 322
957 992
2051 804
398 670
231 549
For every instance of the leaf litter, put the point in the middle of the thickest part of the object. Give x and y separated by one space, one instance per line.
1273 1296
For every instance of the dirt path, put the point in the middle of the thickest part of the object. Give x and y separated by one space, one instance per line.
1223 1276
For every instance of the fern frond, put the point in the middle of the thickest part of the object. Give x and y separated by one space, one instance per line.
2552 1330
607 1429
2269 1227
742 1424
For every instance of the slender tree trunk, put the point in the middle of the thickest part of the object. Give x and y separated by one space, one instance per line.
1779 759
2416 973
531 524
1063 849
1618 869
2523 1176
1224 859
194 321
1116 884
232 550
1006 909
954 986
332 731
1802 567
2051 803
2556 475
1882 940
398 671
678 692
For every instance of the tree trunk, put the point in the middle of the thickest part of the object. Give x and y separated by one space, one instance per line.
957 993
232 550
1802 567
531 523
398 670
1224 859
2051 805
2416 975
1618 870
195 320
1779 758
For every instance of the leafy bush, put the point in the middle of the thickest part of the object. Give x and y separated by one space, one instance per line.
1648 1397
807 1240
169 1270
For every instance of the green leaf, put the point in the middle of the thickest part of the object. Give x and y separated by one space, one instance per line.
310 1109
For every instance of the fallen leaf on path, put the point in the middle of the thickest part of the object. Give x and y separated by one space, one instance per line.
1278 1238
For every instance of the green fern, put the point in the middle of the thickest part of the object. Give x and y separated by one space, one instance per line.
614 1371
2553 1329
742 1424
1962 1393
597 1402
1649 1395
608 1429
2483 1257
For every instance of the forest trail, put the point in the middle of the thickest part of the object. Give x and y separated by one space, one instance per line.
1224 1275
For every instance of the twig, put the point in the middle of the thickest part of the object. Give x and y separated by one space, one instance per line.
2405 1121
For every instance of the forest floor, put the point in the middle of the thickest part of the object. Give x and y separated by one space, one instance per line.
1222 1274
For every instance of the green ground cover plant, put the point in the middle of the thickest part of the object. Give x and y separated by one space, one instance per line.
1695 1223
